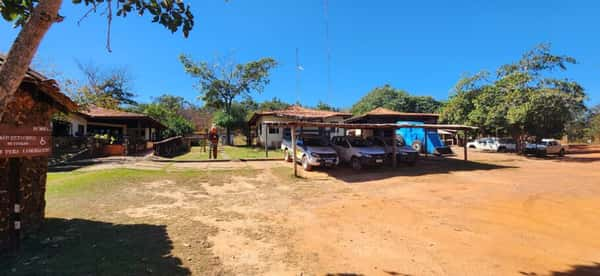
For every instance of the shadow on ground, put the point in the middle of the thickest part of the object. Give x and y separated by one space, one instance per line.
84 247
425 166
576 270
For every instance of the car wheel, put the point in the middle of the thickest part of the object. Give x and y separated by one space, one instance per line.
286 156
502 149
561 153
417 146
305 165
355 162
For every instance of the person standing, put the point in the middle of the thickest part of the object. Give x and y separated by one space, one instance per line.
213 138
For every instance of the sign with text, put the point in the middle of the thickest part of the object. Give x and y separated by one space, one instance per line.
25 141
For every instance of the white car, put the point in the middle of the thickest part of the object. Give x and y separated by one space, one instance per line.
493 144
358 151
545 147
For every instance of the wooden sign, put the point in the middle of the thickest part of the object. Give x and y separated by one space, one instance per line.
25 141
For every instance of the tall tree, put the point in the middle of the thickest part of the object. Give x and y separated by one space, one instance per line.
523 100
109 89
36 17
168 110
222 83
394 99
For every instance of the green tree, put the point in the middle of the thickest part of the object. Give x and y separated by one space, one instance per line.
236 119
221 84
35 18
324 106
394 99
273 104
170 111
523 100
109 89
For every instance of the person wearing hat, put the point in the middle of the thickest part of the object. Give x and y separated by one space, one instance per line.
213 138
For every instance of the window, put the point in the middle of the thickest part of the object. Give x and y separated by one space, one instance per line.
273 130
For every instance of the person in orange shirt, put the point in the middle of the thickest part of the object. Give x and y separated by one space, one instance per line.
213 138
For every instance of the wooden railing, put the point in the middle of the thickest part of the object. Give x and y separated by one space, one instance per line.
171 146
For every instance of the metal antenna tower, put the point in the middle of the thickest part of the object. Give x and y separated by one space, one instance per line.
328 47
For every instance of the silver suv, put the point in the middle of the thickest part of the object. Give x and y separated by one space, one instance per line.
358 151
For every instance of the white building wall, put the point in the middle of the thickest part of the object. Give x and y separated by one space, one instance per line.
274 139
77 121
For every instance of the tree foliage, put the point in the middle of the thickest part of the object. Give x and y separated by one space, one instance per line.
109 89
220 84
522 99
171 14
394 99
325 106
168 110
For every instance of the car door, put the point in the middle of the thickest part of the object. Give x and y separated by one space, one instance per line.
552 147
335 143
299 148
346 149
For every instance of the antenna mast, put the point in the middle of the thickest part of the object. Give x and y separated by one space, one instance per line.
327 46
297 77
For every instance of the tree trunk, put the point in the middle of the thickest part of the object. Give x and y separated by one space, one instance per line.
23 49
228 139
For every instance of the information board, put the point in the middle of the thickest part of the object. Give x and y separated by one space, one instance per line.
25 141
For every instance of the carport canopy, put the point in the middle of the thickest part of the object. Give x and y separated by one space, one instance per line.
294 124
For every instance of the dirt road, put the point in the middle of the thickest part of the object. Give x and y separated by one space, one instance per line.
499 214
525 217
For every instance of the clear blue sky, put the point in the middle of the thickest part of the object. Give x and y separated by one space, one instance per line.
420 46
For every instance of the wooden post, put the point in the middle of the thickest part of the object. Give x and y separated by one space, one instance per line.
294 150
394 150
465 145
425 141
266 130
14 190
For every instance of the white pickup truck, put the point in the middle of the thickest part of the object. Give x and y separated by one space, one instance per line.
545 147
311 151
493 144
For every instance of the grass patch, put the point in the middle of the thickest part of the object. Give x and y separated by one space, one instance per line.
231 153
86 232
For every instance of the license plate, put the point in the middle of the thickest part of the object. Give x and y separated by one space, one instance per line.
328 161
378 160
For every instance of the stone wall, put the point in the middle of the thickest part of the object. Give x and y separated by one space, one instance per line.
31 107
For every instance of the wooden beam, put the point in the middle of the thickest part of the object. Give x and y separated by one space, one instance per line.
394 150
364 126
294 151
465 146
266 131
425 142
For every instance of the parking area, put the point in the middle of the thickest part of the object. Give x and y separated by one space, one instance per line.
498 214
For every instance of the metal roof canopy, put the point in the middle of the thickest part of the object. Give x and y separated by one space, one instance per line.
366 126
295 124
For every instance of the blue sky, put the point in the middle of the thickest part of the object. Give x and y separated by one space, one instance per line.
420 46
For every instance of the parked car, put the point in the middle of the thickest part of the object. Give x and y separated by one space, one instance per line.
545 147
404 153
493 144
358 152
311 151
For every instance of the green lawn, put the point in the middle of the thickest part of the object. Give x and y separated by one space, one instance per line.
87 232
231 153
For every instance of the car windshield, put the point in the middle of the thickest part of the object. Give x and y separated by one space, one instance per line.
315 142
376 142
359 143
